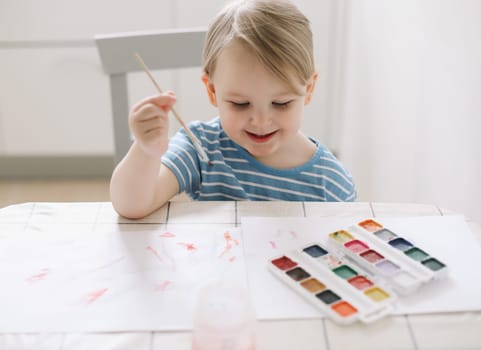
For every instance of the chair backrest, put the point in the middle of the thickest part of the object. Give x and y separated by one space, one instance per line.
166 49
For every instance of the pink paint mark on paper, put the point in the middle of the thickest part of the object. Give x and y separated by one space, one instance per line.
189 246
167 235
91 297
170 259
113 262
154 252
273 244
228 238
232 258
39 276
161 287
228 243
283 232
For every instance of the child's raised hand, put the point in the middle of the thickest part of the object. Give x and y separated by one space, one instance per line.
149 123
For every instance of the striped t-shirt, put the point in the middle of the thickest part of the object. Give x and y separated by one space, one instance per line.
233 174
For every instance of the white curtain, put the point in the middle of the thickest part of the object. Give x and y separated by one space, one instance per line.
407 106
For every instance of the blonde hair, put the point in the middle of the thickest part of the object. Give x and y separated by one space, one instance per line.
276 32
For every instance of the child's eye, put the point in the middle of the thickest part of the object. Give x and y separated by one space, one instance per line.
239 104
281 104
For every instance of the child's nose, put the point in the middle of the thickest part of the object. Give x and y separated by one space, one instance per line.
260 119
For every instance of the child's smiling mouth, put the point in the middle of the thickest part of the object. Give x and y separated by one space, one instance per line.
261 138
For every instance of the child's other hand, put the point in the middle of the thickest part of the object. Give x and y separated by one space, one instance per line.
149 123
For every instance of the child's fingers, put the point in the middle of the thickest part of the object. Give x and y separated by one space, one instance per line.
147 126
157 124
149 122
148 111
164 101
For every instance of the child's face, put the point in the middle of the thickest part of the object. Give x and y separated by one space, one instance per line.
258 111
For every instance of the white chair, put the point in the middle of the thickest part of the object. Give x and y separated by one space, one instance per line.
161 50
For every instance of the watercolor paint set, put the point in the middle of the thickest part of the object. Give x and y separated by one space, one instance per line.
359 273
333 285
381 252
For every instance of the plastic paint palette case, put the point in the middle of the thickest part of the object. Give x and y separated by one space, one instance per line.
358 275
332 285
382 252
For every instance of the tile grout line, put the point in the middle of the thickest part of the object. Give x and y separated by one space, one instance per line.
411 332
372 210
27 223
167 215
236 221
326 337
151 347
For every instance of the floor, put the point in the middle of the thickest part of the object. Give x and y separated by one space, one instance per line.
87 190
90 190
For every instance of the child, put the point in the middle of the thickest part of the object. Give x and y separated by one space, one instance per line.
259 72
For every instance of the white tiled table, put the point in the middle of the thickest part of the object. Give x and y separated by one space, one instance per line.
419 332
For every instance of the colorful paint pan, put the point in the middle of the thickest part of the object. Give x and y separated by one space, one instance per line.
340 292
328 296
372 256
416 254
344 309
433 264
370 225
356 246
345 272
341 236
361 282
298 274
377 294
315 251
385 234
313 285
387 267
400 243
284 263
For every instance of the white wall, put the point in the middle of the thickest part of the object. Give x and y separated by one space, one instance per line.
54 97
53 92
411 101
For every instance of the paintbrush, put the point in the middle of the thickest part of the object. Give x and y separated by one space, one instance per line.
197 145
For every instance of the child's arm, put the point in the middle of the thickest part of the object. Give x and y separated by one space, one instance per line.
140 184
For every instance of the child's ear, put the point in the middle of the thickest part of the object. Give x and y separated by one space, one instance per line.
209 87
310 88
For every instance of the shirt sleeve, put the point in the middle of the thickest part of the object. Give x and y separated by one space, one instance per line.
182 159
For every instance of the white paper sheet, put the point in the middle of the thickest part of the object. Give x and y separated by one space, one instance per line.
147 279
446 238
112 281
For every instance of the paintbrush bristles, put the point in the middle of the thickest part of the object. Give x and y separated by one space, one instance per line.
193 138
